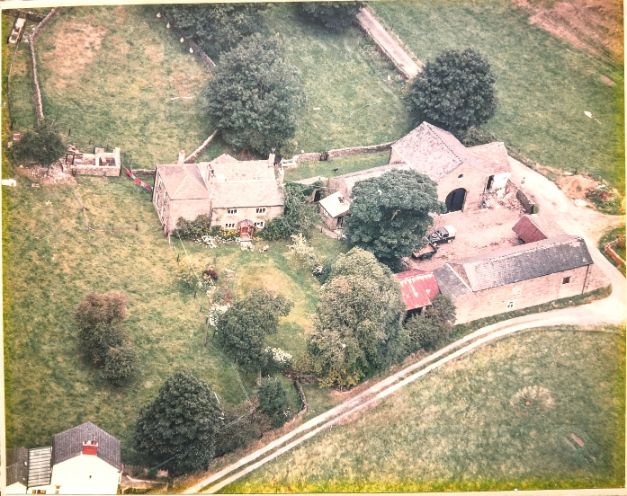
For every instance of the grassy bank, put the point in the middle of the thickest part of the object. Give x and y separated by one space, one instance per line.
51 262
543 85
542 409
338 166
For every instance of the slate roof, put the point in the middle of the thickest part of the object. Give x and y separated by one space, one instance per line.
349 180
514 264
418 288
39 466
69 443
431 151
492 156
335 204
229 182
17 466
528 230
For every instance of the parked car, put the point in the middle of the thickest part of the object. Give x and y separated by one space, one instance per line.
444 234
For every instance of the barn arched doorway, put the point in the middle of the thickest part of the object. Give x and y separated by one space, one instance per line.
455 200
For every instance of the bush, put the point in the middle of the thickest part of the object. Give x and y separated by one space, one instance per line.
477 136
273 401
334 16
302 253
240 429
434 327
120 364
193 229
193 282
299 216
43 145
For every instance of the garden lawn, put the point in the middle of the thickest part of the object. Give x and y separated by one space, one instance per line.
118 77
51 262
544 86
541 409
352 93
338 166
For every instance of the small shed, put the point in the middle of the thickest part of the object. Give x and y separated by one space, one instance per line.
418 289
528 231
333 209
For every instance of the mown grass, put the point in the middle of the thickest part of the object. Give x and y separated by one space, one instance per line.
352 93
468 426
51 262
118 77
543 85
338 166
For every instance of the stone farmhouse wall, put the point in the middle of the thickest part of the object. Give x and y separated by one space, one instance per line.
221 217
523 294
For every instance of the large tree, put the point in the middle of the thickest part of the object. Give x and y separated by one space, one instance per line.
455 91
42 145
217 28
358 327
254 96
241 331
389 214
335 16
178 429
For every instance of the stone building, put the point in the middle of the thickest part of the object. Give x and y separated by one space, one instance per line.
464 175
82 460
517 277
418 289
234 194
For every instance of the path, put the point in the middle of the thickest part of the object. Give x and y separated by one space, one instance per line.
390 45
554 206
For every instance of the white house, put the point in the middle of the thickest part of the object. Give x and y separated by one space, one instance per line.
82 460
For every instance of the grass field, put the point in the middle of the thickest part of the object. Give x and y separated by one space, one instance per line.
51 263
501 418
352 93
118 77
336 167
543 85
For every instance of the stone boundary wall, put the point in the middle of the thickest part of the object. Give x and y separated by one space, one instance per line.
337 153
31 16
609 250
39 107
190 43
194 155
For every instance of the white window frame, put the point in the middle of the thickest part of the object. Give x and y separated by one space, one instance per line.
231 211
259 224
261 210
229 225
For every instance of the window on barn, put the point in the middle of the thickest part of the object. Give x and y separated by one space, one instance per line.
261 210
566 280
231 211
510 304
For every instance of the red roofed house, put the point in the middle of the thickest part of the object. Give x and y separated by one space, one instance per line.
418 289
235 194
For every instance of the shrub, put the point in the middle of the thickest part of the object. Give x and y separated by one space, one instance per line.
120 364
334 16
302 253
193 229
299 215
43 145
273 401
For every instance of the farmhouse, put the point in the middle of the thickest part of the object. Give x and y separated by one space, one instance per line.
235 194
517 277
418 289
465 176
82 460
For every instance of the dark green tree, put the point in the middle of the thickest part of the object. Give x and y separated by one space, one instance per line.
43 145
217 28
299 216
389 215
273 401
334 16
433 328
241 331
178 429
120 364
254 96
358 327
454 92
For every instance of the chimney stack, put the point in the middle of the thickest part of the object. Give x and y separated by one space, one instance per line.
181 159
90 447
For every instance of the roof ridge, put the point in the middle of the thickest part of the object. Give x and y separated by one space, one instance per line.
459 276
433 128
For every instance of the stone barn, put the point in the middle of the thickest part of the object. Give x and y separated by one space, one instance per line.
233 193
517 277
465 176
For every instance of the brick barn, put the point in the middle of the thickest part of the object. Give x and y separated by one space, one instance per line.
235 194
517 277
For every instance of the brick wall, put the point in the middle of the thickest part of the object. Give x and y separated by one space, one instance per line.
523 294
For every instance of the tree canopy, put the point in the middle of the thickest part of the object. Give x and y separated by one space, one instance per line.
42 145
334 16
358 327
254 96
454 92
178 429
217 28
298 218
241 331
389 214
273 401
433 327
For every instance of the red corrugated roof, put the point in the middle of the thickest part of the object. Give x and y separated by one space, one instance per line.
418 288
527 230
